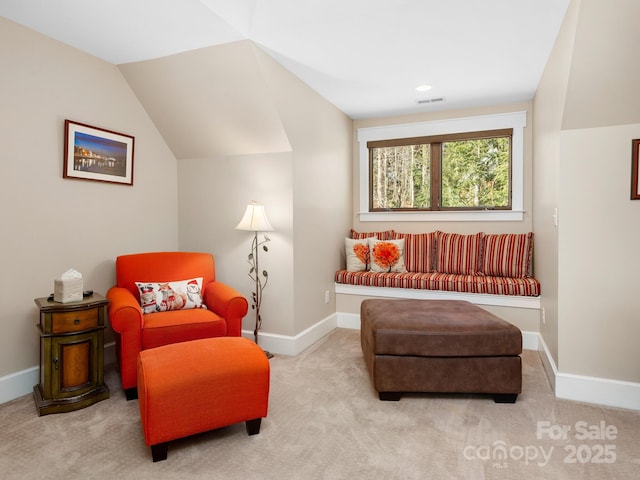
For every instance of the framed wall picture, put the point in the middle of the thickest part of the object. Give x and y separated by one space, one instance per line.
635 158
92 153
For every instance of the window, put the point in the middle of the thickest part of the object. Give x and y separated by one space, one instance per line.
465 169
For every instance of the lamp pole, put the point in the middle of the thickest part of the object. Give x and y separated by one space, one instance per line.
255 220
260 282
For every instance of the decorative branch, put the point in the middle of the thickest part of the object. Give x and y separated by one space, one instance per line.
259 278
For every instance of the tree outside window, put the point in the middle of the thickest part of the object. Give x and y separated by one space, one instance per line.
467 171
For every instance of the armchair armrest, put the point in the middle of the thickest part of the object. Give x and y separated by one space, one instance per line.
228 303
124 310
125 316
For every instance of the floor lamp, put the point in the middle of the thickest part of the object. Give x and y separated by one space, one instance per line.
255 220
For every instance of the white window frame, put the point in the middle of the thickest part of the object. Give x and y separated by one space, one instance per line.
514 120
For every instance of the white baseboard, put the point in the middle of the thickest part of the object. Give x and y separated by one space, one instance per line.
582 388
548 363
287 345
600 391
18 384
109 353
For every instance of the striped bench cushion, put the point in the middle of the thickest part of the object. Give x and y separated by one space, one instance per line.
457 253
450 282
419 250
507 255
386 235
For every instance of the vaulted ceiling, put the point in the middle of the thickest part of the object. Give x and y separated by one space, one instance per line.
365 56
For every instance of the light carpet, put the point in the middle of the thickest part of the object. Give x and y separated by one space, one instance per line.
325 422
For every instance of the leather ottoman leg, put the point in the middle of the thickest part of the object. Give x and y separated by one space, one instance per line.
505 397
390 396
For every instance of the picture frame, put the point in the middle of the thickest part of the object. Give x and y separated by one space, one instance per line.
635 168
96 154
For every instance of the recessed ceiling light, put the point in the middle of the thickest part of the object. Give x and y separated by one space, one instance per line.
423 88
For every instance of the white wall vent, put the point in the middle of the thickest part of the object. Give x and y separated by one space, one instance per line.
432 100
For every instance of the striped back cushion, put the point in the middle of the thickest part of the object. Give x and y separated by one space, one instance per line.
456 253
508 255
418 250
386 235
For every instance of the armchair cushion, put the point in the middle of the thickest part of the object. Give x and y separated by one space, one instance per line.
164 328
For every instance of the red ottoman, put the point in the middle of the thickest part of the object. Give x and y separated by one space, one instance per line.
192 387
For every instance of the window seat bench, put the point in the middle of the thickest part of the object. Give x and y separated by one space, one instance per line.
485 269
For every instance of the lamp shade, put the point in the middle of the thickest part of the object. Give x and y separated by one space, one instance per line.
255 219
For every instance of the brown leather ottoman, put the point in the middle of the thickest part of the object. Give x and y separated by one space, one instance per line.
445 346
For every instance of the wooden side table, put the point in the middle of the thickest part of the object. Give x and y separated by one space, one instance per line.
71 354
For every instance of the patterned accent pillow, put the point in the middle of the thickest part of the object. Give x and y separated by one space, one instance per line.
386 235
419 249
357 253
456 253
165 296
387 255
507 255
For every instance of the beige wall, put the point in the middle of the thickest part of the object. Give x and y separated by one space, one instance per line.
603 83
213 194
548 110
598 326
210 102
577 158
583 167
51 224
320 138
244 128
61 224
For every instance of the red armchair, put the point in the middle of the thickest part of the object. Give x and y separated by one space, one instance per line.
137 331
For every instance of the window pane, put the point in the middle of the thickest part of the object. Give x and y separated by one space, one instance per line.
401 177
475 173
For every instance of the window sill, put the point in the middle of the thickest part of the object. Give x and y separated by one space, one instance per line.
475 216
